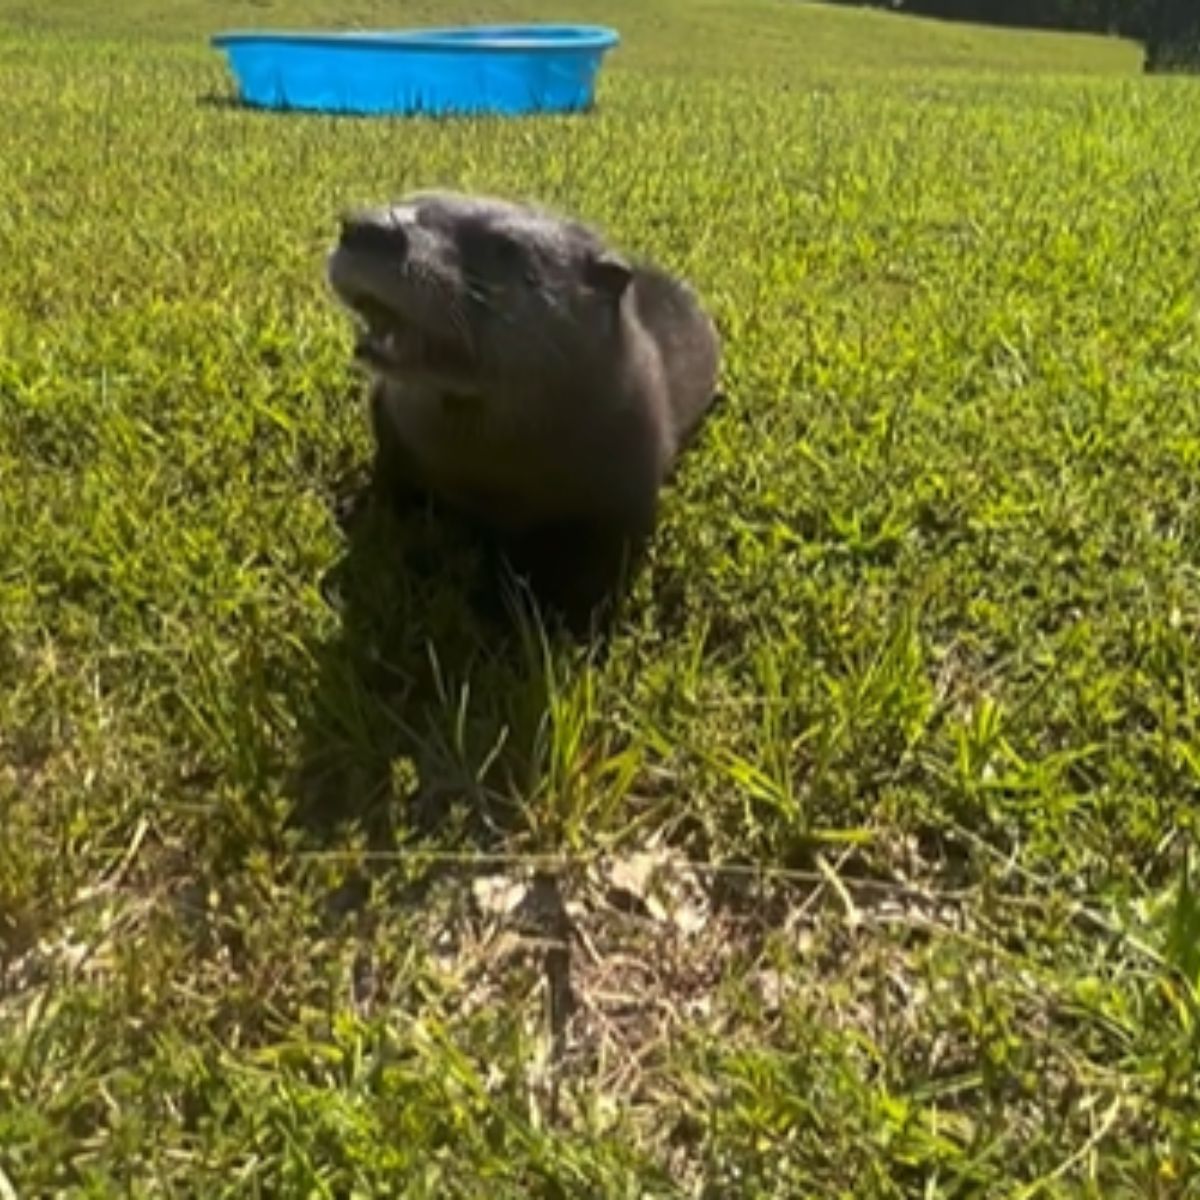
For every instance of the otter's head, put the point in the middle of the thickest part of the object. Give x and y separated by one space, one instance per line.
473 288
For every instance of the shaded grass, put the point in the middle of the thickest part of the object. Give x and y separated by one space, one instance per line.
914 662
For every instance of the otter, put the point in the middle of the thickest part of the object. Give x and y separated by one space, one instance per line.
528 375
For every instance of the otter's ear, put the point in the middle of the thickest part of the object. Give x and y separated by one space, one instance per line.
608 273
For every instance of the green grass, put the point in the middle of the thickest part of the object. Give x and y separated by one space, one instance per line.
905 709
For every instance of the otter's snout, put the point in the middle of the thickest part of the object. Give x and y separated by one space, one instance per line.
370 233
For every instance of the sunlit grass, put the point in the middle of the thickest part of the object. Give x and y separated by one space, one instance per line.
904 708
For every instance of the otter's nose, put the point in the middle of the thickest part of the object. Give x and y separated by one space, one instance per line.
369 234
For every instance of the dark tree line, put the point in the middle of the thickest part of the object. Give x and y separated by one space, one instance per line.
1172 36
1169 29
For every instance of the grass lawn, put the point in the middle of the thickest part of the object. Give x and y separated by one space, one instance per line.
857 869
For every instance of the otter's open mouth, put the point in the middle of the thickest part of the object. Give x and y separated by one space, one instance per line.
379 348
391 346
401 349
388 342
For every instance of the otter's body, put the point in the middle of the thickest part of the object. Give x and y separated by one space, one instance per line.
526 374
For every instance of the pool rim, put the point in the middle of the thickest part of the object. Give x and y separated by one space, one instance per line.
481 39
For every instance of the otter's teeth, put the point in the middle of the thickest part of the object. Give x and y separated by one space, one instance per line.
366 344
376 344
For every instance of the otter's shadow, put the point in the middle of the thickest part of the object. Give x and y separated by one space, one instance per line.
428 704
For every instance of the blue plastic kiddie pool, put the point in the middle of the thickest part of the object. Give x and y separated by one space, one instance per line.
503 69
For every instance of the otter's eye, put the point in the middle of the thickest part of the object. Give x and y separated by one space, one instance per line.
506 252
492 255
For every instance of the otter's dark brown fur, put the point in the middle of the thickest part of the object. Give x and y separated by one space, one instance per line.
527 374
